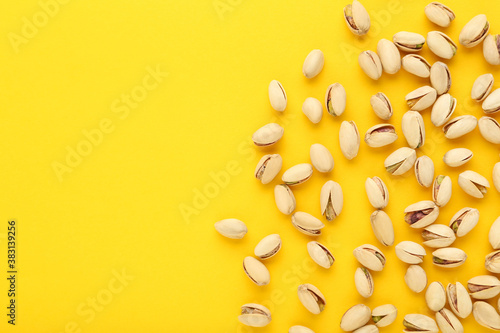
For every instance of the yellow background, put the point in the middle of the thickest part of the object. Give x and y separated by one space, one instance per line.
120 208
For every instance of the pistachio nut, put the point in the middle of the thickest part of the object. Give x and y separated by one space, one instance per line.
496 176
459 126
419 323
442 109
364 282
277 96
380 135
231 228
489 129
284 198
435 296
448 323
320 254
457 157
349 139
357 18
254 315
492 262
486 315
491 49
313 64
421 98
439 14
384 315
312 299
441 45
484 286
415 278
331 200
424 170
473 183
448 257
370 63
355 317
438 236
377 192
459 300
416 65
321 158
464 221
413 129
268 167
268 246
482 87
410 252
494 234
313 109
382 227
256 271
307 224
421 214
492 103
268 134
408 41
300 329
441 190
335 99
389 56
440 77
297 174
367 329
381 106
474 31
370 257
400 161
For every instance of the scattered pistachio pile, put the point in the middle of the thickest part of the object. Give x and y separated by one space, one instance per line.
420 215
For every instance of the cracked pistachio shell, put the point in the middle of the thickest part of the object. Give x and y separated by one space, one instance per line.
448 322
496 176
421 214
313 64
410 252
489 129
381 106
307 224
370 257
335 99
484 286
331 200
364 282
440 77
439 14
492 103
370 63
474 31
367 329
473 183
268 247
415 278
321 158
459 300
284 198
441 190
357 18
408 41
300 329
268 167
419 323
254 315
277 96
491 49
389 56
435 296
380 135
492 262
355 317
382 227
459 126
464 221
297 174
494 234
384 315
438 236
421 98
313 109
413 129
400 161
268 134
416 65
377 192
441 45
320 254
457 156
442 109
482 87
231 228
448 257
256 271
349 139
424 170
486 315
311 297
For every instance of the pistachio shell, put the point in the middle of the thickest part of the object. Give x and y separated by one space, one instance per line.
299 329
410 252
364 282
484 286
377 192
320 254
421 98
419 323
473 183
307 224
355 317
482 87
494 234
382 227
489 129
321 158
381 106
415 278
448 323
268 134
268 167
492 103
268 246
424 171
335 99
441 190
492 262
370 63
297 174
448 257
408 41
416 65
380 135
459 299
491 50
438 236
474 31
312 298
284 198
313 109
496 176
457 157
277 96
349 139
400 161
435 296
441 45
459 126
442 109
486 315
421 214
370 257
440 77
313 64
231 228
439 14
413 129
389 56
357 18
256 271
367 329
464 221
331 200
254 315
384 315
